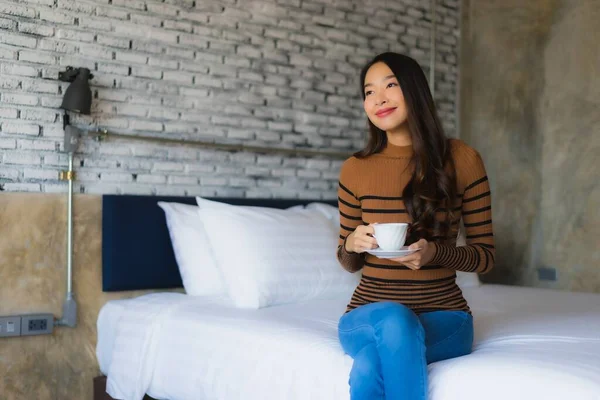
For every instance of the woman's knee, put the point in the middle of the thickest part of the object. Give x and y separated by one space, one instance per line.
396 324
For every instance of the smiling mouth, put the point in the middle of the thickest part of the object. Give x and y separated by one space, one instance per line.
385 113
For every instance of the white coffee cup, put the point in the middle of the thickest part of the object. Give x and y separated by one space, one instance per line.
390 236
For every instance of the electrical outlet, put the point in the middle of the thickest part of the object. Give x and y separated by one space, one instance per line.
37 324
546 274
10 326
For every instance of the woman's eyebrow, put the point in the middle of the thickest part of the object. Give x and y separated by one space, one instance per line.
385 79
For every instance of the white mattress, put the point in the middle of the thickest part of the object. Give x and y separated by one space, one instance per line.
529 344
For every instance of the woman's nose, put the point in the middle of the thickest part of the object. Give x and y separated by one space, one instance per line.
379 100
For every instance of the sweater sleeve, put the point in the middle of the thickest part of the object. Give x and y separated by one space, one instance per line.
479 253
350 217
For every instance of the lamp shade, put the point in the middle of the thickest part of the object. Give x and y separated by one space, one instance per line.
78 97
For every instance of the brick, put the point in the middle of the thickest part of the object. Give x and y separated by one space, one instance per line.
56 159
133 4
280 126
24 99
146 126
178 26
135 58
80 36
194 92
40 174
9 82
132 110
22 187
146 20
193 41
20 128
132 30
57 17
116 177
179 77
194 16
7 143
180 52
57 187
146 72
95 51
222 21
112 69
163 113
207 81
40 86
160 87
7 54
248 51
38 114
163 36
17 40
183 180
6 112
163 62
113 41
167 167
57 46
209 57
112 13
151 179
21 158
19 69
162 9
8 24
313 96
37 57
17 10
96 188
171 191
51 101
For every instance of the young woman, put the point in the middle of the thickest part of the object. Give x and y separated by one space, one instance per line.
408 311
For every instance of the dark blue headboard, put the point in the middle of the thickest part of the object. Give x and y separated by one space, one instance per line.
136 247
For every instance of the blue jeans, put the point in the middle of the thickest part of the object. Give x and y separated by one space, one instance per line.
391 347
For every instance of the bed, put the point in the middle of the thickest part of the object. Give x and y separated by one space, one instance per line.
529 343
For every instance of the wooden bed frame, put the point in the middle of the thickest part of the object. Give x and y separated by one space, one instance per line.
100 390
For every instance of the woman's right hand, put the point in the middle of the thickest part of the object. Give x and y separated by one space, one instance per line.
361 239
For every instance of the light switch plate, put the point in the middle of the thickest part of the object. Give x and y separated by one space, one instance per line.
10 326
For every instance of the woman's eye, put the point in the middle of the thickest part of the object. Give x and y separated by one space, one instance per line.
368 93
391 84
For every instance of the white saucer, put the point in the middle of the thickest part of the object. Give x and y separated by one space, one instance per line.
380 253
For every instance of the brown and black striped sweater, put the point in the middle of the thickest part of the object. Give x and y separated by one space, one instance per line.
370 190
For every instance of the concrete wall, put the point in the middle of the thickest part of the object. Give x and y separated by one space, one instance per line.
32 280
277 73
530 96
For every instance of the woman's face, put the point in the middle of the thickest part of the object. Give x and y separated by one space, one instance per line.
384 102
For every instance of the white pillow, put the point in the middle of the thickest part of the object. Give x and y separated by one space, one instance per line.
194 256
269 256
465 279
331 212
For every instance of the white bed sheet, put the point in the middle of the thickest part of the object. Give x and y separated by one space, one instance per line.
529 344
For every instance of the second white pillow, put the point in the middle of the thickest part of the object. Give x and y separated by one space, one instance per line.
193 253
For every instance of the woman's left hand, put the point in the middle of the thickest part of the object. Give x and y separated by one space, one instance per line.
419 258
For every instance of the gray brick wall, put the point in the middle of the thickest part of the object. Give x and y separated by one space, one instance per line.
268 72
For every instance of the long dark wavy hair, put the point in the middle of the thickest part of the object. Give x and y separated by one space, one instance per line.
432 187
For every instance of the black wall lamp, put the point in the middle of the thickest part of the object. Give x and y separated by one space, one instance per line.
77 98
